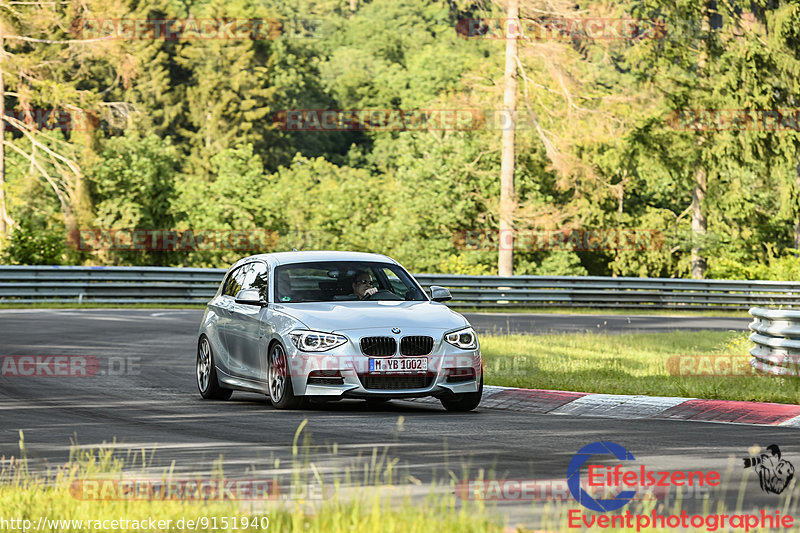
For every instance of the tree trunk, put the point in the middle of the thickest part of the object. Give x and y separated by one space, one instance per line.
796 240
505 260
699 225
3 212
699 222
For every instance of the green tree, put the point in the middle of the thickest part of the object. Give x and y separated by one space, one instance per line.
230 200
46 71
132 186
35 242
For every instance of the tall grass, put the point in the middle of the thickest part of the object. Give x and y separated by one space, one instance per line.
363 500
374 502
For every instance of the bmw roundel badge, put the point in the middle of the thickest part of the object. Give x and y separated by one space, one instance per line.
395 330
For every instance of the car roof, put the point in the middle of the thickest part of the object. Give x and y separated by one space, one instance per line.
283 258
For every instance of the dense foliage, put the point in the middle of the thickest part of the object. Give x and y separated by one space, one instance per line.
184 133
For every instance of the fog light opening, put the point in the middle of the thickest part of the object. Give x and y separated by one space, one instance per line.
325 377
456 375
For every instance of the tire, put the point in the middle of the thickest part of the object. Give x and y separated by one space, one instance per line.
206 373
279 380
460 403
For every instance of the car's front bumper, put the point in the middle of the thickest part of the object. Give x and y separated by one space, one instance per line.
344 371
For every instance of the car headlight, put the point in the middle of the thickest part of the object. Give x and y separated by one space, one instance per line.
463 338
316 341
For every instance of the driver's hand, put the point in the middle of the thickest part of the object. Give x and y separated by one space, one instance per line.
370 291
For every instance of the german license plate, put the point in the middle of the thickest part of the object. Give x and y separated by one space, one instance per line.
406 364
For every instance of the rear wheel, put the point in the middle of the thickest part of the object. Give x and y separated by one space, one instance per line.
206 372
465 401
281 393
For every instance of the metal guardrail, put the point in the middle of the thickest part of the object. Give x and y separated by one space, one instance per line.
608 292
167 285
776 335
117 285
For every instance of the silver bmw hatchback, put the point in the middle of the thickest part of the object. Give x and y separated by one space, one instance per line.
332 325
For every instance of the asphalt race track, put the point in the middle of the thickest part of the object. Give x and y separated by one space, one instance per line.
144 396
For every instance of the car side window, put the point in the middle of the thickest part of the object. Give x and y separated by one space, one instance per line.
234 284
226 290
256 277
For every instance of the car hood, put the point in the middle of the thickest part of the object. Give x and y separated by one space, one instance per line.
346 316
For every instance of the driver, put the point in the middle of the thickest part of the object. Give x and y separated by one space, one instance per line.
363 286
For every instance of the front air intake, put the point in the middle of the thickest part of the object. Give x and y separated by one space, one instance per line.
378 346
416 345
396 381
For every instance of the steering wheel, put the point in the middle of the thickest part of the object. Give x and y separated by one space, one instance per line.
384 295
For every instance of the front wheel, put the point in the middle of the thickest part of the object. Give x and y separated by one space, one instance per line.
206 372
464 402
281 393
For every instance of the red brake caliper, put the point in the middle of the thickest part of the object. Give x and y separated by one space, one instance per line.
280 365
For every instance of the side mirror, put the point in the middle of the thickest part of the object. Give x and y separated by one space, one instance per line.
440 294
250 297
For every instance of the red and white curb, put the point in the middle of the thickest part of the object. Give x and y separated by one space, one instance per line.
629 406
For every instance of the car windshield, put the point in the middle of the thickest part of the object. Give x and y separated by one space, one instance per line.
333 281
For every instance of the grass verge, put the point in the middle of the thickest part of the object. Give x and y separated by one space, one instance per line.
630 364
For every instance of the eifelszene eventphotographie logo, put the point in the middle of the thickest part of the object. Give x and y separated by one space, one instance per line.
620 483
